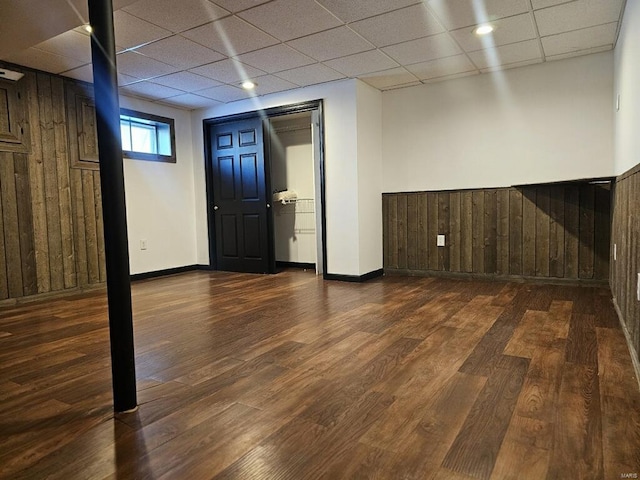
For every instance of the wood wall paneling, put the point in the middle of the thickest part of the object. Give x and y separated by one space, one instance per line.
51 234
625 235
544 231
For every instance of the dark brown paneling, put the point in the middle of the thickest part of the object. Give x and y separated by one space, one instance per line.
546 231
466 231
423 233
412 231
443 229
432 229
490 231
393 231
402 231
515 231
50 226
477 232
625 236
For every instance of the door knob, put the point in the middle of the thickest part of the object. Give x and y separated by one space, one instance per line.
215 207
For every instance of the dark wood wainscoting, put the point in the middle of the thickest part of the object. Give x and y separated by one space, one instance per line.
546 231
626 267
50 212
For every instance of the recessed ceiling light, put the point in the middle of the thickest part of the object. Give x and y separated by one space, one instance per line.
248 85
483 30
88 28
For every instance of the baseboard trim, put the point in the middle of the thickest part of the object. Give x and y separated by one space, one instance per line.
167 271
308 266
354 278
98 288
627 335
500 278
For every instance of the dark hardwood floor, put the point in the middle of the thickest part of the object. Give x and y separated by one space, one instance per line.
291 377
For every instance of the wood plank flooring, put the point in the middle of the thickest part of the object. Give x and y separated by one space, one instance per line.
292 377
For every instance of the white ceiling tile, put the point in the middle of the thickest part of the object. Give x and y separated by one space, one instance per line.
225 93
85 73
189 101
137 65
180 52
577 53
330 44
463 13
187 81
507 30
390 78
451 77
271 84
239 5
507 54
151 90
398 26
499 68
577 40
310 75
228 71
442 67
577 15
287 19
423 49
41 60
177 16
537 4
361 63
69 44
231 36
352 10
131 32
276 58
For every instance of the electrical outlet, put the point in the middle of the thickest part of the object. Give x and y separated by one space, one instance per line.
440 241
615 251
143 244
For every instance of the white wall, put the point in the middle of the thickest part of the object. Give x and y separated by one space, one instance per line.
160 199
627 85
341 167
369 101
535 124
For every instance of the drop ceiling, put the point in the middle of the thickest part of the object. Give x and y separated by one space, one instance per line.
196 53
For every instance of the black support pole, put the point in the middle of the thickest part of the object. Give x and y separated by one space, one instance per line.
105 83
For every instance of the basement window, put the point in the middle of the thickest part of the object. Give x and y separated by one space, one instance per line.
147 137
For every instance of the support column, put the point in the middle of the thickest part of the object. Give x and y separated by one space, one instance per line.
103 53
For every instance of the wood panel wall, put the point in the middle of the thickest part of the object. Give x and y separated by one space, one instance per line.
50 213
548 231
626 267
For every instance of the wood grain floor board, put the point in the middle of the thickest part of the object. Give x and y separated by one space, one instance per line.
288 376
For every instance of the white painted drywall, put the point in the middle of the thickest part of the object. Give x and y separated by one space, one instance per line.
341 172
534 124
627 85
160 199
294 224
369 104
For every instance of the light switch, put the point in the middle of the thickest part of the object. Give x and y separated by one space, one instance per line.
440 241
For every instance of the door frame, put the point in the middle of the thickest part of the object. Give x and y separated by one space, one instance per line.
265 115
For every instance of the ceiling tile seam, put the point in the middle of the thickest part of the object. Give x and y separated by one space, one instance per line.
623 7
495 47
181 31
537 30
468 73
435 15
281 43
564 32
371 16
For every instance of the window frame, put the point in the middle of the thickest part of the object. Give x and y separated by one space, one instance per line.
155 157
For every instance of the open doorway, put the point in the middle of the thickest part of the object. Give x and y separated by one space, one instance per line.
265 189
296 184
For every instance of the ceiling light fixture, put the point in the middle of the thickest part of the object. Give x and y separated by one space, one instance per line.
248 85
88 28
483 30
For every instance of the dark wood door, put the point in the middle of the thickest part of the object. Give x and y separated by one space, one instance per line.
240 203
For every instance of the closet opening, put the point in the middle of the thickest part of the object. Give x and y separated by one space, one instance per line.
293 151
